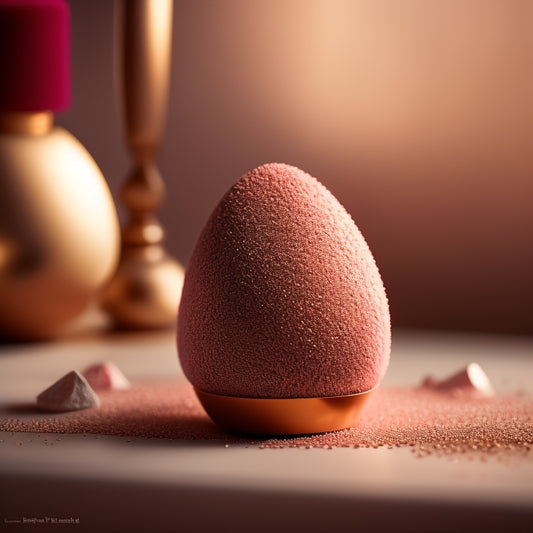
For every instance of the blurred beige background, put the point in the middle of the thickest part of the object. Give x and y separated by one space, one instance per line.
416 114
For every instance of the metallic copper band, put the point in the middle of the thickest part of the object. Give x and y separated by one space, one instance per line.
286 416
34 123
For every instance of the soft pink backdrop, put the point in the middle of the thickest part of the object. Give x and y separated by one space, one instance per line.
417 115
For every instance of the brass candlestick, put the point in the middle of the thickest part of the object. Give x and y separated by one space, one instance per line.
146 289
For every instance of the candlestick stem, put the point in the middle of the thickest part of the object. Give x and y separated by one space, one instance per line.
146 289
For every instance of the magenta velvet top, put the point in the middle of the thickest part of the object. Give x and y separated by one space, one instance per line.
34 55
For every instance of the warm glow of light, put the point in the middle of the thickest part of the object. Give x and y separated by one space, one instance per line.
153 233
6 253
479 379
159 35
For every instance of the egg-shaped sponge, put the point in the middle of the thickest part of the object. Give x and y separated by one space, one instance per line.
282 297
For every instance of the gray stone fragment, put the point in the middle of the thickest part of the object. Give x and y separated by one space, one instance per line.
70 393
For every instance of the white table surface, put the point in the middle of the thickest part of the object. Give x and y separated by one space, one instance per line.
116 484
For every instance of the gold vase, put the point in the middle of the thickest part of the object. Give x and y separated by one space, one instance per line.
59 232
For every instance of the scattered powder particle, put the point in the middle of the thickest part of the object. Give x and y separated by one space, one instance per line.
104 376
425 420
69 393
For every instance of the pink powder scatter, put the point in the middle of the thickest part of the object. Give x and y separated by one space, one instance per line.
428 421
434 422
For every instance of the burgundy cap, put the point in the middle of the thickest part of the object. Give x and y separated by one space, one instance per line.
34 55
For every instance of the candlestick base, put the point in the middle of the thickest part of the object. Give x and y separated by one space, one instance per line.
146 289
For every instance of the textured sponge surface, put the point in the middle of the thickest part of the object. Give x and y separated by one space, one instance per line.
282 297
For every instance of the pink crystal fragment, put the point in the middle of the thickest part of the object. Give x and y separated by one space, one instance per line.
471 381
106 376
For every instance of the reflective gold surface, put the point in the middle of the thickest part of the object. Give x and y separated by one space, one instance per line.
286 416
146 32
146 290
37 123
59 234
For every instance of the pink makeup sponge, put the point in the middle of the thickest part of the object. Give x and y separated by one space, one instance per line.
282 298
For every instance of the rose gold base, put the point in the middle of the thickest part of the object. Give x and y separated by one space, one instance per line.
286 416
